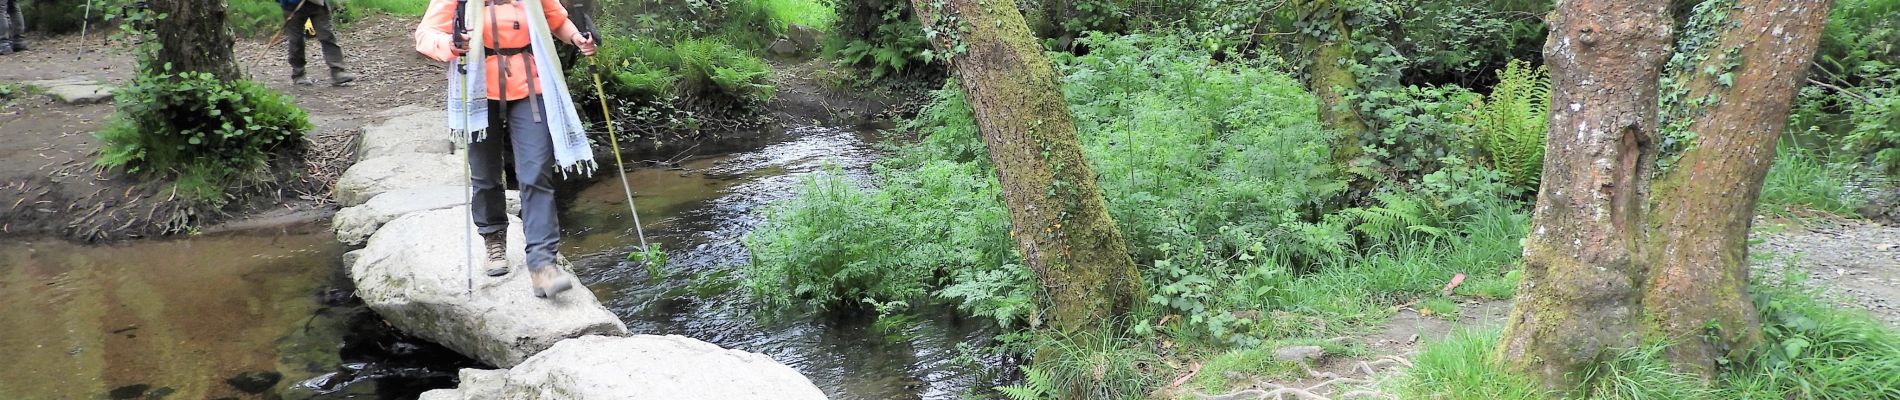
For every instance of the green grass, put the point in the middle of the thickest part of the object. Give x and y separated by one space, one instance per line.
256 18
809 13
1801 180
1812 350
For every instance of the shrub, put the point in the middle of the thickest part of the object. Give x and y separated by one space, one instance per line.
61 16
709 66
1508 126
209 136
882 35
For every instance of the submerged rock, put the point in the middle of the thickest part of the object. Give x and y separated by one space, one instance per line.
413 274
636 368
354 225
255 382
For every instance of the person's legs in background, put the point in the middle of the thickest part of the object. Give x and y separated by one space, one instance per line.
8 11
293 32
326 36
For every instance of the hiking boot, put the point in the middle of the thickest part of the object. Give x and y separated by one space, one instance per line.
497 245
342 79
549 281
19 45
6 48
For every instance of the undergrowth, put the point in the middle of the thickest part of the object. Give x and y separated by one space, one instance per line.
1218 176
1811 350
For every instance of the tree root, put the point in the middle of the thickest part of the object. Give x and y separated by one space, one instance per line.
1263 390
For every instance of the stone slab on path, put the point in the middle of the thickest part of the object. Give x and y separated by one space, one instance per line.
354 225
408 130
375 176
76 90
642 367
413 274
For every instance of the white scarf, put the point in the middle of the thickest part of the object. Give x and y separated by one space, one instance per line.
468 108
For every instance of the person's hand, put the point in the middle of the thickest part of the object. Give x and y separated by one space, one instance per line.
586 44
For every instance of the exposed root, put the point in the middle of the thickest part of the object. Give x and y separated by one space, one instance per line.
1263 390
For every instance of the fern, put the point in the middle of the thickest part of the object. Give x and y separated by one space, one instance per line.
1399 217
1510 124
1037 384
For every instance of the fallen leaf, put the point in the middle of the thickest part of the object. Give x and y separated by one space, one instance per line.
1194 368
1455 280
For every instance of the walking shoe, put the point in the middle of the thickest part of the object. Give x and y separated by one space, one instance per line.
549 281
6 48
497 245
342 79
301 80
19 46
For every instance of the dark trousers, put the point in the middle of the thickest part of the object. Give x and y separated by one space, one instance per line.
12 23
533 152
319 18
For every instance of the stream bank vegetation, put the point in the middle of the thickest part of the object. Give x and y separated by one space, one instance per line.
1253 228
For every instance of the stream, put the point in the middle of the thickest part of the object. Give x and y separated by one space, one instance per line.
246 314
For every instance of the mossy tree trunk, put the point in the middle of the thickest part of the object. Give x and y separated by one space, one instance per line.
193 37
1701 206
1331 79
1623 252
1057 215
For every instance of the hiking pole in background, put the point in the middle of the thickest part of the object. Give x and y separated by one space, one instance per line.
648 255
85 26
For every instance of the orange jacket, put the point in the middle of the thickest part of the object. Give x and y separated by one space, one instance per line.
510 29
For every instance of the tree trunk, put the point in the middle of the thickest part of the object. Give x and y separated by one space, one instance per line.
1702 204
1331 80
1620 253
1580 295
193 37
1057 214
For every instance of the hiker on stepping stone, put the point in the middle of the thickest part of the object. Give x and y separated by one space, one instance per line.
510 96
316 14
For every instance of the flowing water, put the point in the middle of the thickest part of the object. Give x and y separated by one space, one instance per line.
231 315
700 214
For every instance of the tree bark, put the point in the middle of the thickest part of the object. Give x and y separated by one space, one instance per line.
1057 215
1623 252
1582 272
193 37
1331 80
1702 205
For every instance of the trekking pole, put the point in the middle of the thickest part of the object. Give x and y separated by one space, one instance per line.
468 149
85 26
606 115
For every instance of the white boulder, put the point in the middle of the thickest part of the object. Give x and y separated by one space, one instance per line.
375 176
642 367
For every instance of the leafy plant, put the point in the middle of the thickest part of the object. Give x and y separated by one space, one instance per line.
210 136
1509 124
882 35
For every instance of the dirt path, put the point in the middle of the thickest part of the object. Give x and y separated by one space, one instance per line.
47 184
1856 264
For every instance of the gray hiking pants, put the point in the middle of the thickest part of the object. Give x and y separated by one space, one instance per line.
319 18
12 23
533 151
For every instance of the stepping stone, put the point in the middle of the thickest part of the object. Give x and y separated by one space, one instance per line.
637 367
75 90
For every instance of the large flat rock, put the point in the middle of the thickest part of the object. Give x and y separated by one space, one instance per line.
413 273
375 176
642 367
408 130
353 225
75 90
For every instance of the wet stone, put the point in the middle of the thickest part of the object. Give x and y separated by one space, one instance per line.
128 391
255 382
